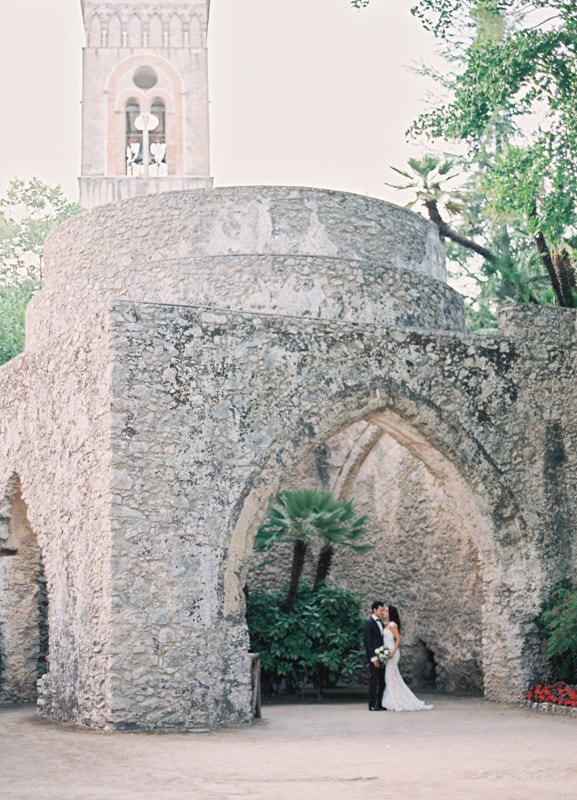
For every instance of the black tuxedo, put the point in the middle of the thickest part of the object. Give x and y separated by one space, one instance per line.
373 639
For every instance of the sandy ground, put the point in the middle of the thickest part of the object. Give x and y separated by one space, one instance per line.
463 748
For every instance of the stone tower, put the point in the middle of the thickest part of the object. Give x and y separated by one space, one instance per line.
144 99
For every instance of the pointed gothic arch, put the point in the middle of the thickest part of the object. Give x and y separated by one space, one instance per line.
134 31
95 31
492 520
114 31
23 601
155 37
176 31
429 555
195 32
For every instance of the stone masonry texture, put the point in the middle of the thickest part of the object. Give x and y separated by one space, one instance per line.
189 355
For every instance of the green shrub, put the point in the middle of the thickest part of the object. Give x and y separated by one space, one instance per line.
558 624
13 301
318 640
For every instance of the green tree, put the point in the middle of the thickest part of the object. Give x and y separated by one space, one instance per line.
514 63
28 212
491 261
14 298
342 528
558 624
318 640
302 517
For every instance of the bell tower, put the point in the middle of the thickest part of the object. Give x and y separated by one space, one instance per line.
144 99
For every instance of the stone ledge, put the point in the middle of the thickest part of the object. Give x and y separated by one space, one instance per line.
253 219
550 708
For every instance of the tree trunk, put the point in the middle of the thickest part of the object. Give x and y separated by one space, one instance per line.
543 251
566 274
299 552
323 565
446 230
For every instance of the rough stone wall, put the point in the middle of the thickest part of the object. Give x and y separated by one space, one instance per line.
149 433
314 286
254 220
544 432
218 366
175 655
55 438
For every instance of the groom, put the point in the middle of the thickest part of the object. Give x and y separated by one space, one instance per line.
374 639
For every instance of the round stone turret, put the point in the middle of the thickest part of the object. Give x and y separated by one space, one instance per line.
275 250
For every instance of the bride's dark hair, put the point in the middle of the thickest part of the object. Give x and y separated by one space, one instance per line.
394 616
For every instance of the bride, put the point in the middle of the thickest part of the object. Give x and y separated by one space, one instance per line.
397 696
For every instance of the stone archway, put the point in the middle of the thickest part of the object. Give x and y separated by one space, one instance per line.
23 602
173 379
430 557
453 599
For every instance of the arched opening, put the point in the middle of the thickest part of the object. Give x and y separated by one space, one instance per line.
95 32
431 541
155 38
145 119
145 134
158 164
114 31
134 31
133 139
195 35
176 32
425 668
24 635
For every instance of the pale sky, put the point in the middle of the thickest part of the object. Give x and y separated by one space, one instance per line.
303 92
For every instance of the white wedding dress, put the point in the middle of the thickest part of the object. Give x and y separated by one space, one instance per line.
398 696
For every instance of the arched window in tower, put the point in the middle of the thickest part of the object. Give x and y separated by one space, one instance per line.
95 33
134 31
155 32
157 136
134 165
195 32
146 139
176 34
114 32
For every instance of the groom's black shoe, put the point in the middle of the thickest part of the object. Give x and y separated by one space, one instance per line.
375 708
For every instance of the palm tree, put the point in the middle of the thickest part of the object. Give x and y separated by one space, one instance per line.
303 516
340 526
428 178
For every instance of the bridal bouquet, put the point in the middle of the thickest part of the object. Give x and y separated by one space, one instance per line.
383 654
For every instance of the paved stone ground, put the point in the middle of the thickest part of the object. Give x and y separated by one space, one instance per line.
464 749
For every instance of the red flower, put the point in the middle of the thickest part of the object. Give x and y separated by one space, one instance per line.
558 693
